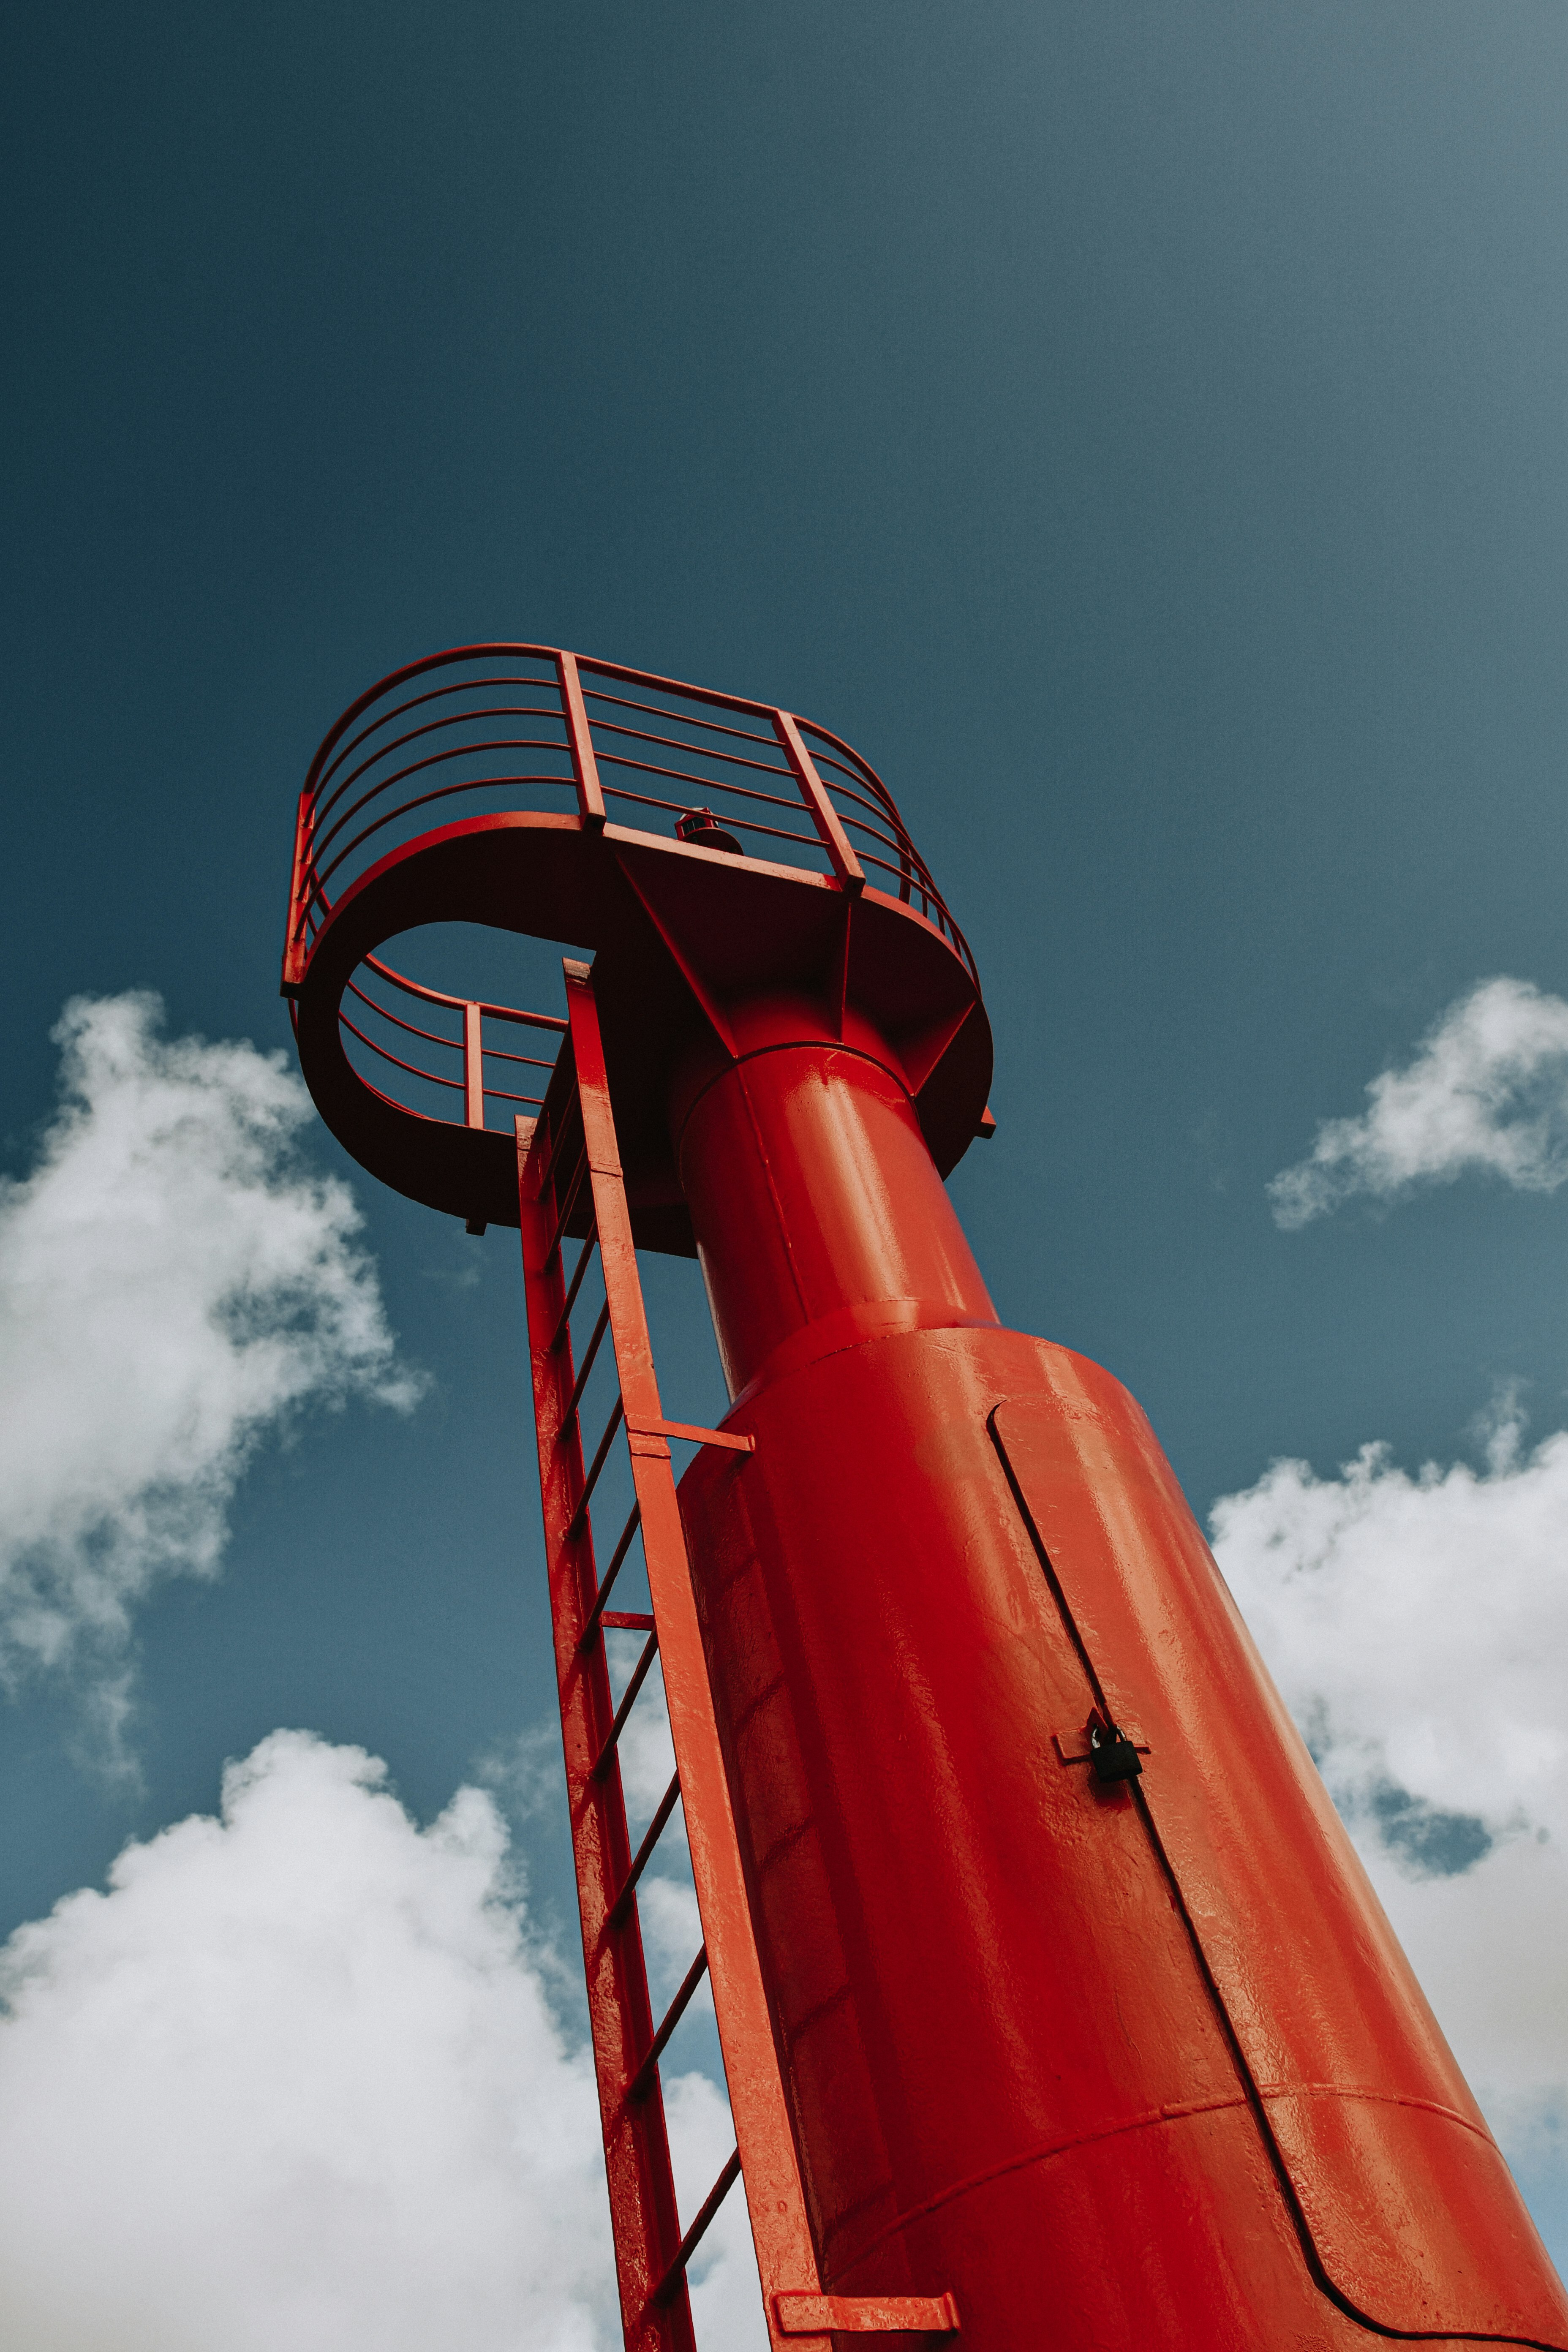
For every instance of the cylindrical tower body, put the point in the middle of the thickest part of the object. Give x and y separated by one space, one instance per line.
1125 2063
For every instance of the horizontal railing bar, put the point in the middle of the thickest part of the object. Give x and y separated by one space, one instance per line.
730 759
672 2017
423 800
851 763
861 764
905 865
693 2238
678 691
582 1267
625 1544
742 734
500 1054
434 727
401 711
683 808
651 679
431 1078
640 1860
426 666
524 1020
903 874
862 800
880 832
435 759
580 1513
651 800
453 1045
415 767
679 775
403 1109
628 1700
587 1366
721 784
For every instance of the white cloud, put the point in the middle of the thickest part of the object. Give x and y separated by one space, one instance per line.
295 2081
1418 1628
1487 1091
726 2301
172 1285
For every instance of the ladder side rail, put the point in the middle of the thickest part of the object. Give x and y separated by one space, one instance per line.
644 2210
781 2231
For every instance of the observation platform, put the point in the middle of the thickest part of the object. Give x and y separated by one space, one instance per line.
519 787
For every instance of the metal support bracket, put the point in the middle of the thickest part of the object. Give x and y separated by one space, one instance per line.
866 2314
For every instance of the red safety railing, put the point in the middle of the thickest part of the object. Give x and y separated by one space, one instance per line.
464 1059
501 727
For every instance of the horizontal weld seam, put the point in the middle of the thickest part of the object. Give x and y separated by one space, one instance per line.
1176 2111
790 1046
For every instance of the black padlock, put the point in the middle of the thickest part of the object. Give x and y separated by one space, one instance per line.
1110 1752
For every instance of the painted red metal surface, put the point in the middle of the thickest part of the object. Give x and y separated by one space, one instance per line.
1058 1989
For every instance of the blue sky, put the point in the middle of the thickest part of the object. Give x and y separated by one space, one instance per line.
1139 430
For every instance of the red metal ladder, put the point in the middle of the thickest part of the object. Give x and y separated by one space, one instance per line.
572 1146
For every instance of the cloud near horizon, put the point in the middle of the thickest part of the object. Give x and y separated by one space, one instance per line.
297 2079
1486 1092
1418 1629
174 1285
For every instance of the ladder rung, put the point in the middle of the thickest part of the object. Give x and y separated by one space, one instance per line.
672 2017
640 1859
579 1514
865 2314
735 1441
693 2238
628 1700
628 1532
582 1267
584 1368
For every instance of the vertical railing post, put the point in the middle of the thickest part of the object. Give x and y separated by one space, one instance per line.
824 816
473 1066
580 741
297 946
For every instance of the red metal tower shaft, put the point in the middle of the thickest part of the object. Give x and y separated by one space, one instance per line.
1142 2058
819 1215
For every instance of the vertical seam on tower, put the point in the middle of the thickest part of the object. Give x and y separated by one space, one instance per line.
1317 2268
772 1192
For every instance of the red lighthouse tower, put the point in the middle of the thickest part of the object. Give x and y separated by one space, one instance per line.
1056 2008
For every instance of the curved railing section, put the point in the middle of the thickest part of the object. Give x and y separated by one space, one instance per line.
496 728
